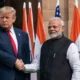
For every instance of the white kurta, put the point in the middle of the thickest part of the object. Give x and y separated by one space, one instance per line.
72 56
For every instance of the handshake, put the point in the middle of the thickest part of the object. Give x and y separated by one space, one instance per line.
27 68
19 64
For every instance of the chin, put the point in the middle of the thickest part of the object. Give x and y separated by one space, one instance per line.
53 36
5 27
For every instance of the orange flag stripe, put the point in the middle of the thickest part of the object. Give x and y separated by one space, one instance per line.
75 30
24 19
40 29
30 28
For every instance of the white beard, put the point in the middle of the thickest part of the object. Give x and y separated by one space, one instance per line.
56 35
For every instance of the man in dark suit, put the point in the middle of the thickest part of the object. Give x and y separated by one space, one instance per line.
14 47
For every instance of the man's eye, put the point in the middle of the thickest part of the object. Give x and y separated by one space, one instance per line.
49 26
52 26
4 17
7 17
1 17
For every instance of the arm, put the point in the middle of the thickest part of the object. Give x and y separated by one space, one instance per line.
10 61
34 66
73 57
7 59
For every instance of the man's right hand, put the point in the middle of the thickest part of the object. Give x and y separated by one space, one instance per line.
19 65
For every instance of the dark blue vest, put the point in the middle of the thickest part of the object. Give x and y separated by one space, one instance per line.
53 62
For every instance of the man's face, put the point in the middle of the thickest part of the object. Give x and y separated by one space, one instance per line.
7 20
55 28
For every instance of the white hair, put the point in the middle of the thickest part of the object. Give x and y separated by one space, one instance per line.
57 18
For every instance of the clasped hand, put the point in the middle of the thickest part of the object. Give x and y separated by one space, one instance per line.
19 65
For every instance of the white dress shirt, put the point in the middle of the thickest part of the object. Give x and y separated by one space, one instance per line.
72 56
14 36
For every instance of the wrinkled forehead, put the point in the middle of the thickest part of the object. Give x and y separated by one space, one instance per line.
55 22
6 11
6 14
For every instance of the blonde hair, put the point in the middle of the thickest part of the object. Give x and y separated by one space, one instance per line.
8 9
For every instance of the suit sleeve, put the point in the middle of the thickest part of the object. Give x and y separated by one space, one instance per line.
27 49
7 59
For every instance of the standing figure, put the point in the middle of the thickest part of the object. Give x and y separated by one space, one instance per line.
14 47
59 56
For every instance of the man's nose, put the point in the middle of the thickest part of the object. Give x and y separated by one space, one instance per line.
4 19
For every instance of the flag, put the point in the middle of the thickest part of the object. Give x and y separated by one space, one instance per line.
32 38
25 26
57 10
30 28
24 19
75 29
40 34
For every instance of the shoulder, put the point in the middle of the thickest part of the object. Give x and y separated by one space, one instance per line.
72 52
67 39
73 46
20 31
47 42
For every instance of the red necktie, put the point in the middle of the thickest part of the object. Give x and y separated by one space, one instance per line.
13 43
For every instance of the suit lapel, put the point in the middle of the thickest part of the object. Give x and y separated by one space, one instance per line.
18 36
7 41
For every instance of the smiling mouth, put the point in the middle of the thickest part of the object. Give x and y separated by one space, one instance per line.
51 32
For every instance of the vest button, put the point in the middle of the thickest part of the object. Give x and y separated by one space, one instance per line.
54 55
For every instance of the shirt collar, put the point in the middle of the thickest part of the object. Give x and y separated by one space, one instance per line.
12 29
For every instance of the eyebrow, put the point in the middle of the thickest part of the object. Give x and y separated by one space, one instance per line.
52 26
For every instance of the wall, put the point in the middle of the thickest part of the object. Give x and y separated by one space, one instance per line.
66 7
48 10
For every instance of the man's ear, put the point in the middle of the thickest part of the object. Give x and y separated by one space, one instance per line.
63 27
14 18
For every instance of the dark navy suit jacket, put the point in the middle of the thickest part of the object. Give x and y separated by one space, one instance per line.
8 58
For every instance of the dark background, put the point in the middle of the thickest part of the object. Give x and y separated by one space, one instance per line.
18 5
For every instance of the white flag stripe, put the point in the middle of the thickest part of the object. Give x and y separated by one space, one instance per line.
76 3
78 42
